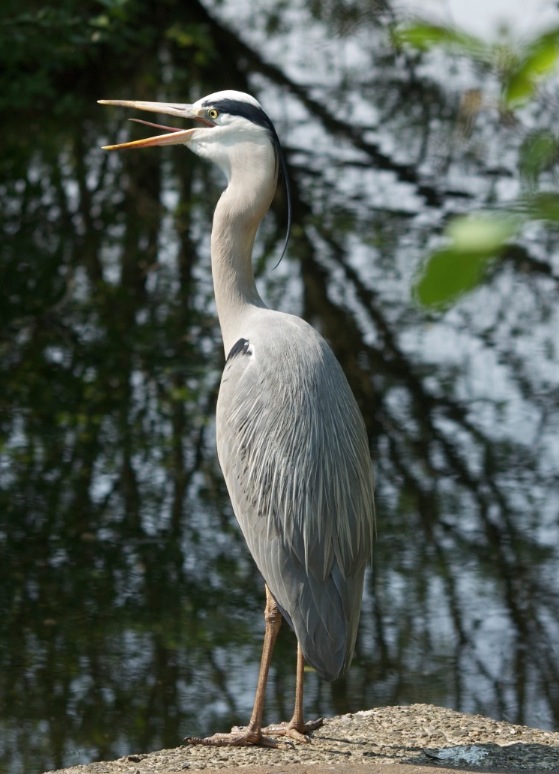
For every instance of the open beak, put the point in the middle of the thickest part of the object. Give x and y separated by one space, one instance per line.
173 137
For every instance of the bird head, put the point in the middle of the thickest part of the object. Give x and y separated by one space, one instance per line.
233 129
228 120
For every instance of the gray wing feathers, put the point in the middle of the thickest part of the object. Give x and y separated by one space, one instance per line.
294 453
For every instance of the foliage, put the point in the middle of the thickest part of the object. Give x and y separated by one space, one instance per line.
472 242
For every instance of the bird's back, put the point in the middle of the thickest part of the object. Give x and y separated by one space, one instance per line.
294 453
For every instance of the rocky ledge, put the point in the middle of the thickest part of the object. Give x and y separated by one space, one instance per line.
409 738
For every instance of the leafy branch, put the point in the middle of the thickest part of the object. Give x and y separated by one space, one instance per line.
472 242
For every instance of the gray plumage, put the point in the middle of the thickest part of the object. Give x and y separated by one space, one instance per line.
290 438
294 453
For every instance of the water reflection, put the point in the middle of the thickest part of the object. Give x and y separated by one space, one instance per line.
131 612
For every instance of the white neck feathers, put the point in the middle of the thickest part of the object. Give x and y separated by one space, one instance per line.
251 172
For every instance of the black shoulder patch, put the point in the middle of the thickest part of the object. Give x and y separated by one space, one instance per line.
240 347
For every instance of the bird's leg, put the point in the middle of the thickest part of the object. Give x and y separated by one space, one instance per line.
272 619
297 722
252 734
296 728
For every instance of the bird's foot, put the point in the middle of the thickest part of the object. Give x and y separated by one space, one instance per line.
299 732
238 737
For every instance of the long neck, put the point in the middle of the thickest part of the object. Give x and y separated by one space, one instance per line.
241 207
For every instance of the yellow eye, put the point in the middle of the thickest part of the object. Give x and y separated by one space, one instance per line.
213 113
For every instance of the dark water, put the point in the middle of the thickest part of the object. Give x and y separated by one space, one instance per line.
131 613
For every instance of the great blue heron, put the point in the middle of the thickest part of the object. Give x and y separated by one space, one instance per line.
290 438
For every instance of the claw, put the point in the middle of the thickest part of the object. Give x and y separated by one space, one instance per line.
299 734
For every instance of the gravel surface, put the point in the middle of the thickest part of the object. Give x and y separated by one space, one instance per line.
409 738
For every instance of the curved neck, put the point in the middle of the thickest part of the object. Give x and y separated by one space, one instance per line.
237 216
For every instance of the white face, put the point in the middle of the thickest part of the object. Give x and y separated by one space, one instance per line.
232 122
229 136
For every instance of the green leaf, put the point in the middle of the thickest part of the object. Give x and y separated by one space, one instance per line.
540 59
481 233
537 153
422 36
543 55
544 206
426 36
519 90
447 275
474 241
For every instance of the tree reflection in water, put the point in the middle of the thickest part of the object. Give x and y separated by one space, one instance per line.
131 610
